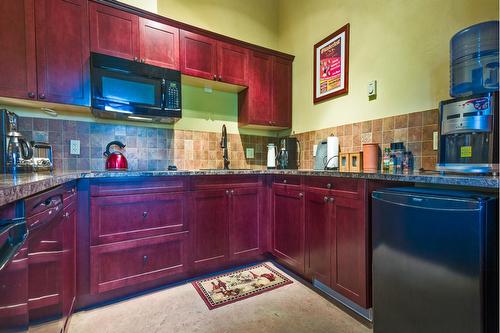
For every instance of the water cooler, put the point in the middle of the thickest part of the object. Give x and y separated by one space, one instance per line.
469 122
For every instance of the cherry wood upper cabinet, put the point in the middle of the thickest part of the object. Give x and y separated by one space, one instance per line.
268 100
232 64
288 227
255 103
158 44
113 32
318 235
198 55
17 57
282 93
244 223
62 45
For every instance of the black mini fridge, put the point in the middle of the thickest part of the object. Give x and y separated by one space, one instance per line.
435 262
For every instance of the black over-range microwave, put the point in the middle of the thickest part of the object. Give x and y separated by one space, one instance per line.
130 90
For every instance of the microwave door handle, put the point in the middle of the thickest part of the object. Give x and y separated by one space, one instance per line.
163 93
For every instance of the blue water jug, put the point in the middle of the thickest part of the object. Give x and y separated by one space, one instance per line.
474 60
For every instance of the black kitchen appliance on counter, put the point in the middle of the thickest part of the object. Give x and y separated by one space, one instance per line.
132 90
288 153
435 261
469 134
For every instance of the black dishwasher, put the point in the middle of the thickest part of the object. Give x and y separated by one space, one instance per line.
434 261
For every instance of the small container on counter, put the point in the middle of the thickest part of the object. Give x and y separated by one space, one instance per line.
370 157
398 149
386 160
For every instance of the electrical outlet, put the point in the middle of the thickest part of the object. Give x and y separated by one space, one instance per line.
435 140
249 152
74 147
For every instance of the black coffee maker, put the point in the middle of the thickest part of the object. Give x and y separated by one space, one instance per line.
288 153
469 134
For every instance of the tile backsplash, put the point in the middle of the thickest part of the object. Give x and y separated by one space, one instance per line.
414 129
146 148
156 148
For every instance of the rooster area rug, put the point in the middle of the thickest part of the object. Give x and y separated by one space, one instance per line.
228 288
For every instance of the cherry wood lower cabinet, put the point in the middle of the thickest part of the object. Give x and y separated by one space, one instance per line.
210 229
226 227
318 212
337 237
288 226
127 263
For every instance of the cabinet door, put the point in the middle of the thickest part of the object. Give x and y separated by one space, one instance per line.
158 44
288 226
349 251
62 42
17 56
113 32
318 231
232 64
244 223
210 229
198 55
282 92
260 90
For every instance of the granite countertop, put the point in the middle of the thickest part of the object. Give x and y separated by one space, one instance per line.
15 187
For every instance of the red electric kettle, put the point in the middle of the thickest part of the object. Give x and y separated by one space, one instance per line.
115 160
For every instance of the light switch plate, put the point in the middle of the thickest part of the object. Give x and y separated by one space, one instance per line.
74 147
372 88
435 140
249 152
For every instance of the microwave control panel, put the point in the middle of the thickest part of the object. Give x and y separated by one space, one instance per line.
172 95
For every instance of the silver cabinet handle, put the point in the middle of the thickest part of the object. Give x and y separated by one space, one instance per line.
325 199
144 259
301 195
329 186
331 200
232 192
145 214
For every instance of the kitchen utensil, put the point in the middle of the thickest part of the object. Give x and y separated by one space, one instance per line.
115 160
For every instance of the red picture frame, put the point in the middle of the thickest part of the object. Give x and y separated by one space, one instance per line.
331 65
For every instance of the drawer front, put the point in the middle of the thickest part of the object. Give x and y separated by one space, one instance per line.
223 182
337 185
129 263
111 187
45 201
287 179
118 218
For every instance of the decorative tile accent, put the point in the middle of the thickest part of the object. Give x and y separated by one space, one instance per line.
147 148
414 129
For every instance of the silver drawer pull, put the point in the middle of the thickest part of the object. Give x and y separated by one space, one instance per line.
145 214
144 259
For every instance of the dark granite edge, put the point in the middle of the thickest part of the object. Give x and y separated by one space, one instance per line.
28 185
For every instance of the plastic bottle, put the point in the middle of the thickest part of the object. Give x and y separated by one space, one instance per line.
386 161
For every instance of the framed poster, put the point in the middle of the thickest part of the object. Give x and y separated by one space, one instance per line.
331 65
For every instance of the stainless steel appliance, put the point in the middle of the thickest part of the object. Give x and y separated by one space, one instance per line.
469 134
434 261
289 153
16 153
131 90
42 156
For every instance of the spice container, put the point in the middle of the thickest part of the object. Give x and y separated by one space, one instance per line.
386 160
398 149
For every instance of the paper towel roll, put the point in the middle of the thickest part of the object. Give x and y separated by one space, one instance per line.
332 152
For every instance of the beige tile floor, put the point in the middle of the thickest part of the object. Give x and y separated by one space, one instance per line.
293 309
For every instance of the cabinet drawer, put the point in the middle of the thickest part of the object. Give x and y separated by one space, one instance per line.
287 179
118 218
223 182
336 184
137 186
133 262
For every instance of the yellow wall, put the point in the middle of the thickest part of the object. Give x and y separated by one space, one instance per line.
404 45
254 21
